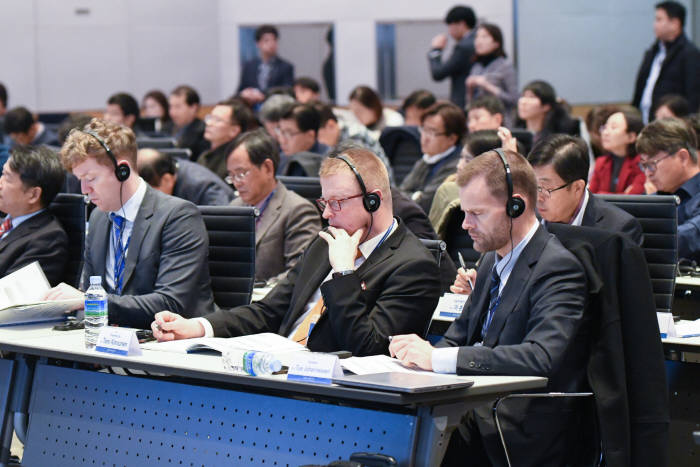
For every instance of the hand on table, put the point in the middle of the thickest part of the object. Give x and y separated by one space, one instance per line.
412 351
169 326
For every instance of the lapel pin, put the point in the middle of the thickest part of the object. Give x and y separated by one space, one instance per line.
363 286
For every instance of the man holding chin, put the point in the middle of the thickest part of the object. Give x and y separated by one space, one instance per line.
365 279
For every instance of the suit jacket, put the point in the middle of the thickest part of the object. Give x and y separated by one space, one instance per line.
286 228
630 175
536 330
281 74
680 73
170 246
192 137
603 215
423 180
39 238
201 186
215 159
393 292
457 67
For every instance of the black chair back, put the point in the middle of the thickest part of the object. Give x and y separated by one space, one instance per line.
658 216
231 233
402 146
71 211
436 247
458 240
156 143
306 187
178 153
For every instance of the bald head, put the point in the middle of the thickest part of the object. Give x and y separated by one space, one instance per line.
158 169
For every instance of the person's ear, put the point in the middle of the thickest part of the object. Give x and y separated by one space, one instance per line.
34 195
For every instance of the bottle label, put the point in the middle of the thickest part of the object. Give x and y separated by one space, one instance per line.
95 308
248 363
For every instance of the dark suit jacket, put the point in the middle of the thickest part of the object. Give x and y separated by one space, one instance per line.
215 159
166 264
457 67
281 74
535 331
393 292
680 73
192 137
603 215
39 238
201 186
630 175
426 178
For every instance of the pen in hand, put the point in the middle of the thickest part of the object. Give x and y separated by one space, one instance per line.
464 266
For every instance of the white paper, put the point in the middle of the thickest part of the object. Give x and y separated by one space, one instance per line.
376 364
666 326
264 342
687 328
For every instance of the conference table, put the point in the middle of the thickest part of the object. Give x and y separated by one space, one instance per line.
74 406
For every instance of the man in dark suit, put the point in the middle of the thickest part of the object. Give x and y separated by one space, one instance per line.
298 134
561 166
183 179
671 65
30 180
150 249
23 128
122 109
460 22
187 128
266 71
523 317
354 301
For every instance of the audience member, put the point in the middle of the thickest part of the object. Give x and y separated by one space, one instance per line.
155 105
443 127
671 65
561 167
415 105
271 112
183 179
24 129
618 171
460 22
183 105
307 90
367 107
77 120
671 106
225 122
286 223
330 300
149 248
266 71
491 73
298 133
30 180
485 113
523 318
669 158
595 119
542 113
122 109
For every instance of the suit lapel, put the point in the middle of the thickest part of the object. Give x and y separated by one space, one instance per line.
99 234
141 226
271 213
592 215
23 229
480 298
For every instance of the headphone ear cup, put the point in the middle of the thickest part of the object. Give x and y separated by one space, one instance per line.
515 207
122 172
371 202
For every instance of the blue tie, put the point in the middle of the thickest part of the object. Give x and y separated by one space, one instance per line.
119 251
493 302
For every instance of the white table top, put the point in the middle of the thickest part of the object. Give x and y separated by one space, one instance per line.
688 280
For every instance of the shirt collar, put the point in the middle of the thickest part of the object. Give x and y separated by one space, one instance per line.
578 218
370 245
131 208
690 187
430 160
19 219
505 265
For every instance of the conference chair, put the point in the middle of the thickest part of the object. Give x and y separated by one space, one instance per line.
436 247
231 233
71 211
303 164
156 143
658 216
178 153
402 147
306 187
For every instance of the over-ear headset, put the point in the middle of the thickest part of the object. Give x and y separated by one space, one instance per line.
514 206
121 171
370 201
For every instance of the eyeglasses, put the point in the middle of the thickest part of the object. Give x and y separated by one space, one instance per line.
547 192
335 204
214 120
287 134
650 165
431 132
237 177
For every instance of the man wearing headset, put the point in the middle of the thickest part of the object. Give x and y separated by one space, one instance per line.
523 317
365 279
150 248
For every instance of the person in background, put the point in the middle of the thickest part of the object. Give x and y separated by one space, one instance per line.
271 112
485 113
595 119
23 129
542 113
122 109
298 133
415 105
155 105
188 129
367 107
306 90
670 106
618 171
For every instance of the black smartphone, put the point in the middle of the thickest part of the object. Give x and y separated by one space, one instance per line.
70 325
144 335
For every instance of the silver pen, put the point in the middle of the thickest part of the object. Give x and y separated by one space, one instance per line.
464 266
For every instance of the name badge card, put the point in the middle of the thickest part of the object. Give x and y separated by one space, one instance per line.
314 368
118 341
666 326
450 306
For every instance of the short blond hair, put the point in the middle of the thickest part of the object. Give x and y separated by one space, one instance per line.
80 146
371 169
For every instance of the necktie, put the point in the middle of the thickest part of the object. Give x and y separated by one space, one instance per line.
6 226
119 251
494 300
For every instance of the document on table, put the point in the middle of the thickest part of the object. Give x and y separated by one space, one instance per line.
376 364
687 328
264 342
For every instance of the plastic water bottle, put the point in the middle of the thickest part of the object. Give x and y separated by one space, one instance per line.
251 362
95 311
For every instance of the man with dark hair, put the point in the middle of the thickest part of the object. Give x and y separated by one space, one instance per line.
442 130
183 179
271 112
24 129
30 180
286 223
525 316
460 22
307 90
298 133
187 128
415 105
122 109
266 71
669 159
485 113
561 166
671 65
227 120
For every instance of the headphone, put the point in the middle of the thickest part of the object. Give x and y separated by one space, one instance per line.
514 206
370 201
121 171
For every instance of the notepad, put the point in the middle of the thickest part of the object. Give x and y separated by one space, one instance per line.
264 342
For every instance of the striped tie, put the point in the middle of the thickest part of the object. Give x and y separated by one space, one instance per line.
493 302
6 226
119 251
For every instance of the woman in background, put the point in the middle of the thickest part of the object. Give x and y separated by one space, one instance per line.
542 114
155 105
367 107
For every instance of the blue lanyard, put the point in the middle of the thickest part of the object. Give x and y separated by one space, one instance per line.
386 234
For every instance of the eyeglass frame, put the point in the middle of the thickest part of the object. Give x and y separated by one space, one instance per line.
542 190
215 120
431 132
322 203
651 162
240 176
286 134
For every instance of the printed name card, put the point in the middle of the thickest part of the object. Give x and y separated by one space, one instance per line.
118 341
314 368
666 326
450 306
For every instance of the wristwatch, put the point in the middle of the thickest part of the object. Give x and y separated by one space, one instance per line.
342 273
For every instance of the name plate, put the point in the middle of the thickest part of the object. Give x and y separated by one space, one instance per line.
118 341
666 326
314 368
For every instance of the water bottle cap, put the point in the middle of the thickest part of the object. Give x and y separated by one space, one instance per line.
95 280
275 366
